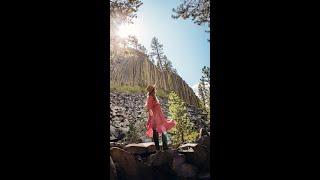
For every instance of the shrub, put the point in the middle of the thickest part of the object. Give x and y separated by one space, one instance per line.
135 89
133 134
184 130
126 88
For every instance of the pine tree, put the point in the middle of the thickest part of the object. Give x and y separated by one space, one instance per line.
184 129
202 92
159 65
174 70
197 10
206 79
142 49
133 41
204 89
206 74
167 64
123 11
157 52
152 60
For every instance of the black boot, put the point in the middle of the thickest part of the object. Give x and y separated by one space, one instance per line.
156 139
164 142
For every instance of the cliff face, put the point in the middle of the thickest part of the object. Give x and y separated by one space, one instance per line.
137 70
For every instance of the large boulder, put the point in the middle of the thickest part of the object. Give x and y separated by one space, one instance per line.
113 171
116 144
202 153
146 172
201 157
204 175
160 158
187 151
205 141
177 161
141 148
128 167
187 171
197 154
188 147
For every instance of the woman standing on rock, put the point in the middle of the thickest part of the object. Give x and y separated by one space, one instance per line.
157 123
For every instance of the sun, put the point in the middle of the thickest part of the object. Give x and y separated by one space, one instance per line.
125 30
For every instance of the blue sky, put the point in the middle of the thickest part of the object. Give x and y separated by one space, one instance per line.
184 42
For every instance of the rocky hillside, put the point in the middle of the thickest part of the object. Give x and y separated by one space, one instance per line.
141 161
137 70
126 109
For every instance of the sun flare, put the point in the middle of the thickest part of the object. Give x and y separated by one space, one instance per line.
125 30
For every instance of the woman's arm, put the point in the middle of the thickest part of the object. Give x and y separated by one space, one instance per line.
150 112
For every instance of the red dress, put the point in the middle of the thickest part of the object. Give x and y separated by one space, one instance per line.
157 121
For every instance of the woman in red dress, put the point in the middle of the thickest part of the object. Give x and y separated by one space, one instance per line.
157 123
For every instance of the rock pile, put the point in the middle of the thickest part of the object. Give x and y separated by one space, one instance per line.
126 109
141 161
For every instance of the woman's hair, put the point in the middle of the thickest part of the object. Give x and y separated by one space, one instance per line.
153 94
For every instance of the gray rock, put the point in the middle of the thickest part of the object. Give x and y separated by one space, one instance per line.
201 157
160 158
113 171
187 171
204 175
127 108
177 161
129 166
141 148
188 147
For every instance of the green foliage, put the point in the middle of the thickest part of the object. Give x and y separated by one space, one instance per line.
197 10
142 49
135 89
174 70
152 60
157 52
184 130
206 74
162 93
167 64
133 134
136 131
159 66
192 137
204 90
133 41
126 88
123 11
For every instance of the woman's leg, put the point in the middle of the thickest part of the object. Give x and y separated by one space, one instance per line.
164 142
156 139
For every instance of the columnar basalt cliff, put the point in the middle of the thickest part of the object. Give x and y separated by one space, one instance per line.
137 70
